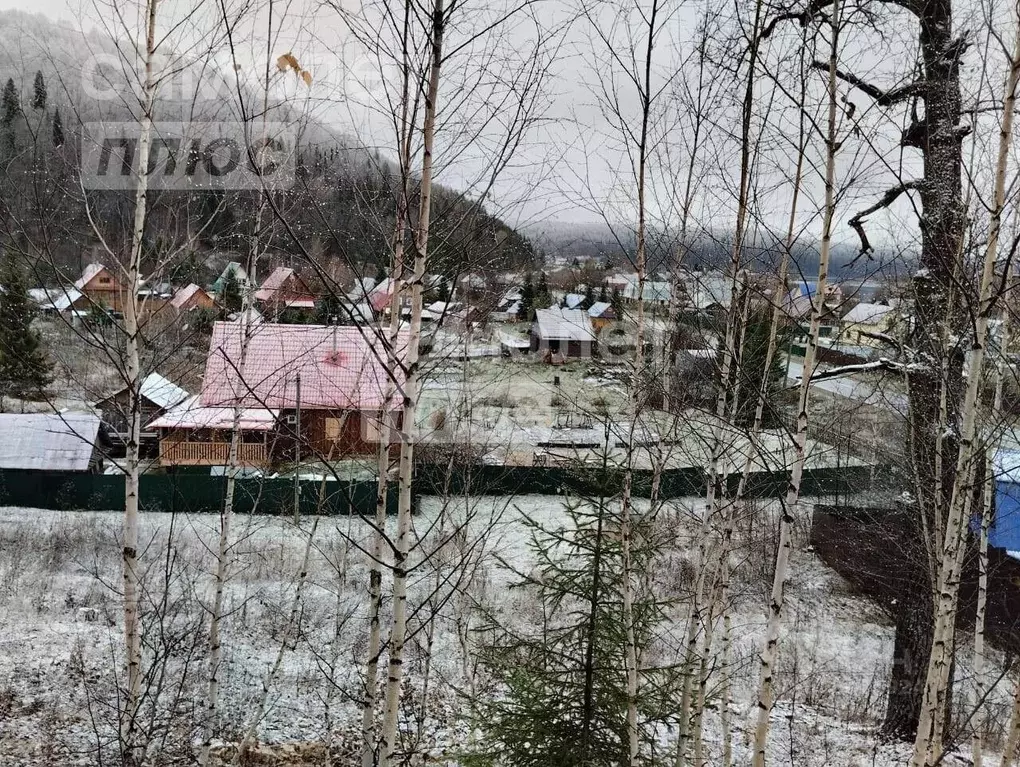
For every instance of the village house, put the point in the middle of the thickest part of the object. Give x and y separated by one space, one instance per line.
233 270
862 323
101 287
560 334
602 314
156 395
332 374
284 289
191 297
74 442
193 435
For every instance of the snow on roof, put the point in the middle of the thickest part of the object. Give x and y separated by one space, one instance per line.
60 299
365 284
88 275
514 342
652 290
380 296
707 289
573 300
190 414
164 393
184 295
599 308
341 368
557 324
54 441
866 314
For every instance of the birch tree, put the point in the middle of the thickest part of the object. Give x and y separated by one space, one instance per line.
769 656
132 584
928 743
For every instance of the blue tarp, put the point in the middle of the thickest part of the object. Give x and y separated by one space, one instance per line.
1005 529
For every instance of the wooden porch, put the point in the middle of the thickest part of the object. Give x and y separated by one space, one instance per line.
181 453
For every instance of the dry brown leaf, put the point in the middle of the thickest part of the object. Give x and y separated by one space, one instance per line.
307 77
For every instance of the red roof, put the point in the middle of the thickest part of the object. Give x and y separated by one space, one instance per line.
184 295
284 285
342 368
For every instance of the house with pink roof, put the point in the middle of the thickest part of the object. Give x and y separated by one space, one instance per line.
191 297
335 376
284 289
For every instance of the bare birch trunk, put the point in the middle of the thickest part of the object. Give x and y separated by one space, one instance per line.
715 480
766 695
223 545
1013 733
928 743
398 633
636 404
981 680
289 637
370 691
134 752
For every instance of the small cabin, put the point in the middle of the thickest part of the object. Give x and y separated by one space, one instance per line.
156 396
100 286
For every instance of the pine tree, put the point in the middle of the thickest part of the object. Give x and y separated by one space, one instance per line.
58 130
24 370
589 298
39 92
542 297
10 103
753 356
527 299
563 689
380 273
616 301
230 293
603 294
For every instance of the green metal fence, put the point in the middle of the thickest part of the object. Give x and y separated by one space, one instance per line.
190 492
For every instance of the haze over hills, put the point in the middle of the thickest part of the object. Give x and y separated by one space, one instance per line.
569 240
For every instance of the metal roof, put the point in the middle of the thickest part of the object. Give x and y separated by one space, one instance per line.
342 368
191 415
866 314
53 441
557 324
164 393
184 295
88 275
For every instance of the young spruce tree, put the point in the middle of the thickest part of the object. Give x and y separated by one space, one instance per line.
562 684
24 370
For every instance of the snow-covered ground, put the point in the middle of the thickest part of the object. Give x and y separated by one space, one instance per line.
60 649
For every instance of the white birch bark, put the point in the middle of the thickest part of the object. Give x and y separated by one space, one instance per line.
981 680
375 592
695 616
398 633
928 743
636 401
133 751
223 547
770 653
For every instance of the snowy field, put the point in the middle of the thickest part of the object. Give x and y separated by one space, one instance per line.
59 583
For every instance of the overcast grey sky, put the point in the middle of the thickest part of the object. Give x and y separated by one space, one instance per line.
573 162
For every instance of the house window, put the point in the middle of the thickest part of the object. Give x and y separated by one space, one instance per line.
105 280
